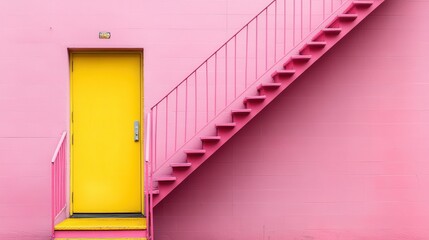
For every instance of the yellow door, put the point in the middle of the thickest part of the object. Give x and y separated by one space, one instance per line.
106 132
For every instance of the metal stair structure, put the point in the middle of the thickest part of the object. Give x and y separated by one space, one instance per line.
265 92
177 148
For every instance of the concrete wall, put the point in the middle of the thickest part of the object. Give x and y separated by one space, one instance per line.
342 154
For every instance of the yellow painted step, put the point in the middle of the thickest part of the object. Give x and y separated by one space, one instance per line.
102 224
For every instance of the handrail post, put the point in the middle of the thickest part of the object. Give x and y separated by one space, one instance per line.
52 202
148 181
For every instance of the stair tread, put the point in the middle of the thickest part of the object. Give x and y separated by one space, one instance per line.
155 191
363 3
194 151
210 138
181 165
301 57
166 179
348 16
332 29
226 124
283 72
70 224
317 43
270 85
274 84
241 111
257 97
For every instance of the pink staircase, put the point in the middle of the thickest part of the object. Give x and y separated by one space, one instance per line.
236 83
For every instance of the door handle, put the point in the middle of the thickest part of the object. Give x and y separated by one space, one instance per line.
136 131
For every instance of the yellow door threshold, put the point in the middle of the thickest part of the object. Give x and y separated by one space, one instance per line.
89 224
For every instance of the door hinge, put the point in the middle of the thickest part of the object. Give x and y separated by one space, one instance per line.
72 139
72 117
72 197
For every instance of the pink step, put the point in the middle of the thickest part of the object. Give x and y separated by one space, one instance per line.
166 179
273 85
194 151
365 4
313 45
155 191
210 139
226 125
259 98
283 73
181 165
316 44
333 31
347 17
245 111
301 58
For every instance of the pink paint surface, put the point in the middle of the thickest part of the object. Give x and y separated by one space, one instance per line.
341 155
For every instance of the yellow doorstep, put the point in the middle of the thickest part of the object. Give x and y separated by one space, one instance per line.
102 224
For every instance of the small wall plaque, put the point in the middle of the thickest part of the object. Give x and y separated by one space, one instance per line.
104 35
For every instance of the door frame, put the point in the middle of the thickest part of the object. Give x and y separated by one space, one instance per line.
72 51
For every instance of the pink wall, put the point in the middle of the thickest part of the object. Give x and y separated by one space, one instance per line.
34 100
342 154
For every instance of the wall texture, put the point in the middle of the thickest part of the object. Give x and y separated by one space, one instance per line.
342 154
34 80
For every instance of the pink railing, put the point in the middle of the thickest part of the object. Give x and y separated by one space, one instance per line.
58 179
248 55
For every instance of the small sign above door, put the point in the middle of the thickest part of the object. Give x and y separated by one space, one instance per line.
104 35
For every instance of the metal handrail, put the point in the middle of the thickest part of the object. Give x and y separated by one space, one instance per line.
58 180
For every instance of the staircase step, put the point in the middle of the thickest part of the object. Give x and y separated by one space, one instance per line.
166 179
226 125
245 111
312 45
347 17
82 224
283 73
301 58
273 85
333 31
258 98
194 151
316 44
155 191
210 139
181 165
363 3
